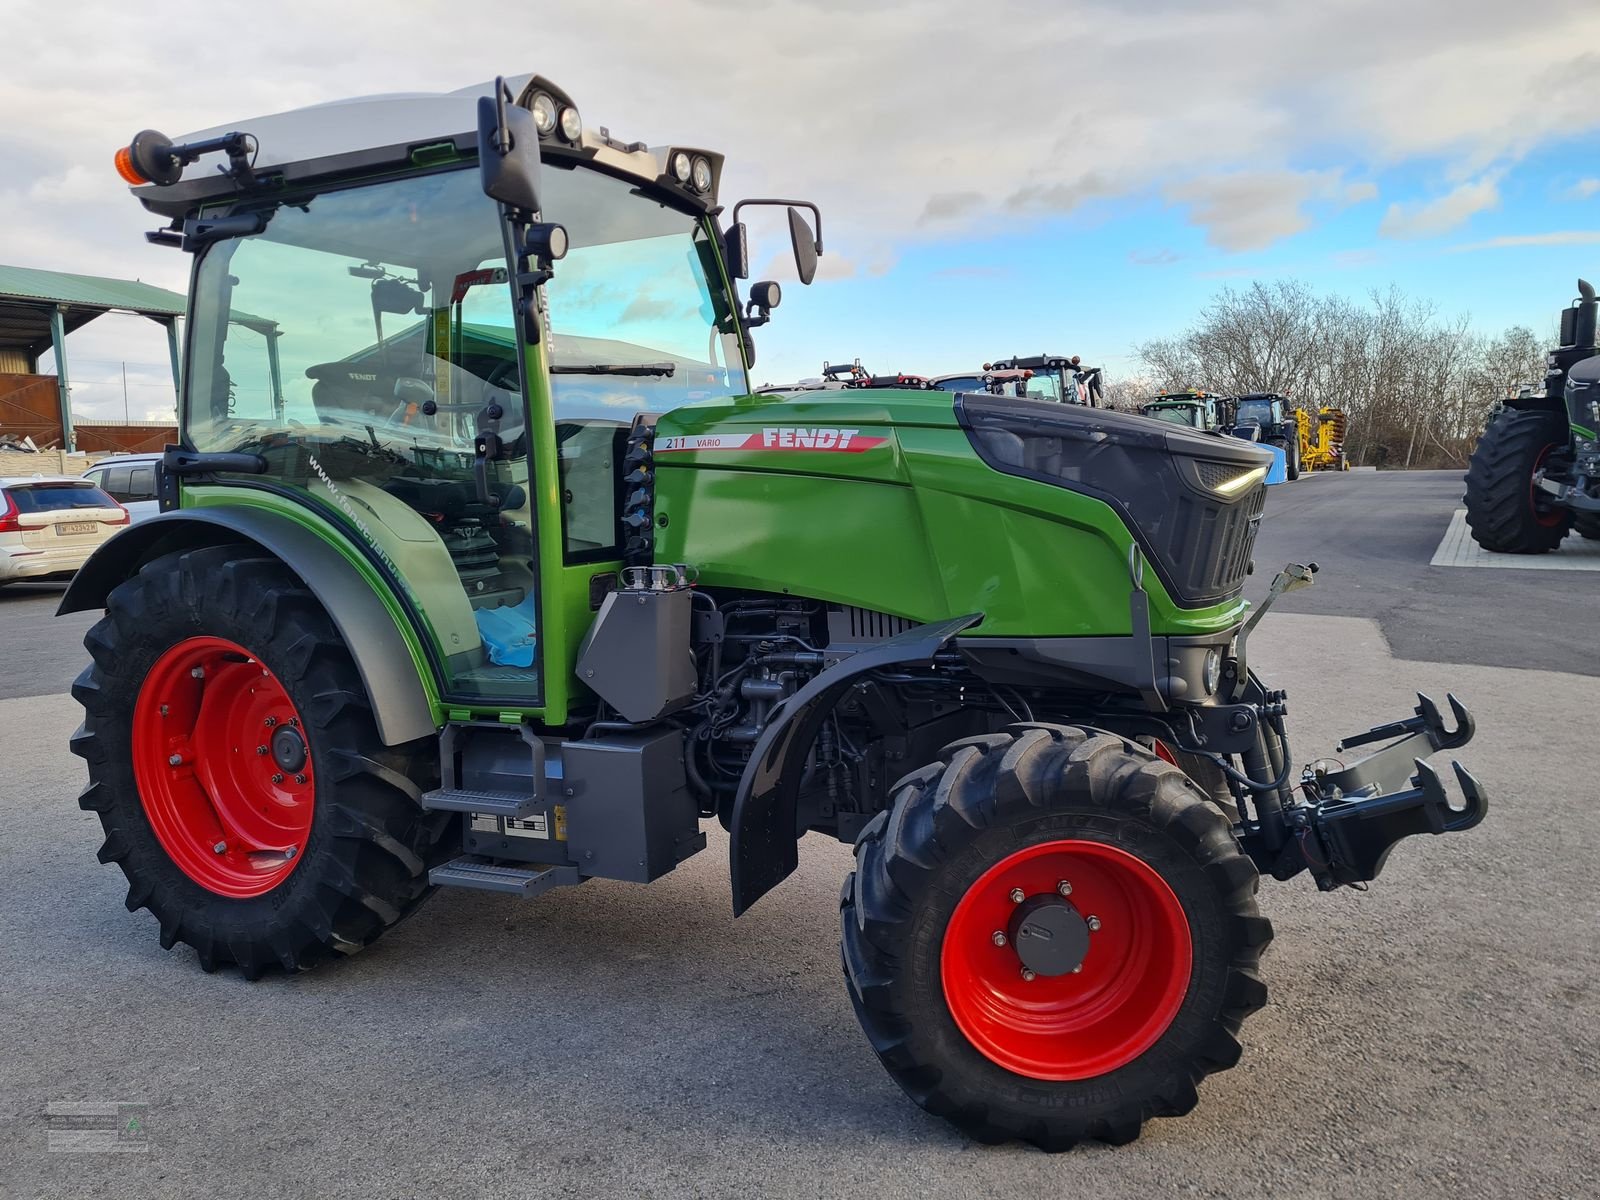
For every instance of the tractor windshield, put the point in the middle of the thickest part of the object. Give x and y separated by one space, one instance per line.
1257 411
1044 384
639 317
1190 415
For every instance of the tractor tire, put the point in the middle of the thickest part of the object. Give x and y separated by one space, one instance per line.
1587 525
1504 512
1167 907
1294 462
237 771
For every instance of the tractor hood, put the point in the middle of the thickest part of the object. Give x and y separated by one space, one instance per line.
856 433
928 505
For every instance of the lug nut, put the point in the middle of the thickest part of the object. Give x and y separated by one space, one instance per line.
294 722
300 778
277 777
1064 887
198 673
1094 924
1078 970
175 760
261 749
998 938
289 853
163 710
1018 895
1027 975
270 722
221 847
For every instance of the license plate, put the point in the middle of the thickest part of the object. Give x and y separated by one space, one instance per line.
68 528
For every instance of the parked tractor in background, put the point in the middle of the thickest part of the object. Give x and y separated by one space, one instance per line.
1192 408
1535 473
518 592
1276 421
1322 439
1056 377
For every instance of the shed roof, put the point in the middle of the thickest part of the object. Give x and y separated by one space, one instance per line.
27 295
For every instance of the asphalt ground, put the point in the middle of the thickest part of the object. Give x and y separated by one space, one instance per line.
1435 1036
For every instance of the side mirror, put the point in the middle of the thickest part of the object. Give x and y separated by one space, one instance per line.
508 151
806 248
736 251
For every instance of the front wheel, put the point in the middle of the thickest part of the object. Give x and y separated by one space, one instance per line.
1052 936
1505 511
236 769
1587 525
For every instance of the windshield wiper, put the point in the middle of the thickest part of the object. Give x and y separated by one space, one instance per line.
660 368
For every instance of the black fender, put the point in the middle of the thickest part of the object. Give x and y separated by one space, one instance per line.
398 698
764 842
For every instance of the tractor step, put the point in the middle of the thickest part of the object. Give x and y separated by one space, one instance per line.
485 875
490 804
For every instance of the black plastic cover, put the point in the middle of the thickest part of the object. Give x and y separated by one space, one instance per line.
1163 480
1582 393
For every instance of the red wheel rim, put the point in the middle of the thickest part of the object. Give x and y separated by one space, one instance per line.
1074 1026
1550 515
222 767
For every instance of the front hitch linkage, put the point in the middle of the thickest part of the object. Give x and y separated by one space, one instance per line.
1355 815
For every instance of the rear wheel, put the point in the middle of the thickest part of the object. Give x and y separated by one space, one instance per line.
236 768
1052 935
1505 511
1587 525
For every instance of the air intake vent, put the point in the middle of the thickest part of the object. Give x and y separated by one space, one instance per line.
862 626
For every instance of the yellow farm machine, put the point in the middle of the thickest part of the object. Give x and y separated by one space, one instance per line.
1322 440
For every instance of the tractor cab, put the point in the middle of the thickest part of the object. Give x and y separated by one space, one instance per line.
1192 409
1058 378
448 343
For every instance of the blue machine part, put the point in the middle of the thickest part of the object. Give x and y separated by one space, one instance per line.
508 633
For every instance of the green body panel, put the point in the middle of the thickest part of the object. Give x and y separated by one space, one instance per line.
915 525
216 496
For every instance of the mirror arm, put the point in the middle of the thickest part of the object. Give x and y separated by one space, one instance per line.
816 213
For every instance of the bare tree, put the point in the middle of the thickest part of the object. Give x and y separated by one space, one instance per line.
1416 387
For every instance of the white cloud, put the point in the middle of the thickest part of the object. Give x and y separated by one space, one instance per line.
883 113
1584 189
1250 210
1433 217
1571 237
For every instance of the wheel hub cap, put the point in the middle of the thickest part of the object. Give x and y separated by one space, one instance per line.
289 749
1050 935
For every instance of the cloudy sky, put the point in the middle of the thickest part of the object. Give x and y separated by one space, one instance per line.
1013 176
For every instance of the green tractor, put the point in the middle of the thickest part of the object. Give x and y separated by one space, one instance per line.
1535 473
1192 409
479 566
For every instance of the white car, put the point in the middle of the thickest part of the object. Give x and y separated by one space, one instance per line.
50 524
130 480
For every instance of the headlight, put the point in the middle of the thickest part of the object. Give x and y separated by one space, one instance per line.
571 124
1213 670
702 175
544 113
680 167
1232 487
